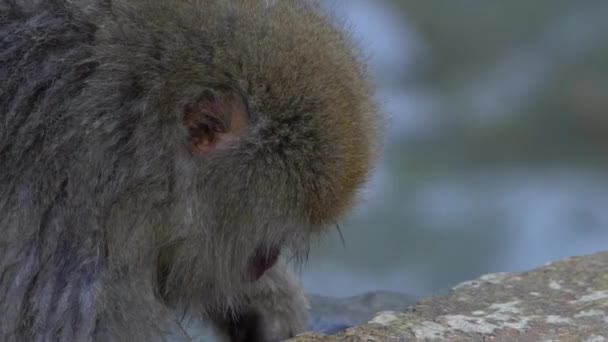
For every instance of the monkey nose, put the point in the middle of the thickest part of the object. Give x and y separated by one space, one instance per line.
262 260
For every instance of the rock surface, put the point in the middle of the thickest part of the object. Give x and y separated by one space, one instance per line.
566 300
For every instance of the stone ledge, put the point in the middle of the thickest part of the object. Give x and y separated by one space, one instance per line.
566 300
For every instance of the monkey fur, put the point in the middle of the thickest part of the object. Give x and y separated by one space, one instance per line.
164 157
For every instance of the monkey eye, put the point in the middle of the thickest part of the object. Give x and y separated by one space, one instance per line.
214 120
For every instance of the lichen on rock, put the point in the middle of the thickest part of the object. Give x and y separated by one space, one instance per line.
565 300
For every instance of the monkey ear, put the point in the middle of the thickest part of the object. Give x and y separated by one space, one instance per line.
214 121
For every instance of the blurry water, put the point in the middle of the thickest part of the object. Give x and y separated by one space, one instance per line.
466 226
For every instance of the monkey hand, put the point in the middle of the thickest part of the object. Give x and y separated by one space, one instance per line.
277 310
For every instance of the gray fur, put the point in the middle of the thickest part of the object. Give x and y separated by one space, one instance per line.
109 223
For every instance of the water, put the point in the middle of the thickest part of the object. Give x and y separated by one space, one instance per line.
459 228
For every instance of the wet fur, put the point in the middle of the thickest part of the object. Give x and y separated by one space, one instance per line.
109 223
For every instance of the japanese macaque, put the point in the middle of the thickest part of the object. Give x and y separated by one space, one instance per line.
160 157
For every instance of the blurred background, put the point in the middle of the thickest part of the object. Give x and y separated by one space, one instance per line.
496 154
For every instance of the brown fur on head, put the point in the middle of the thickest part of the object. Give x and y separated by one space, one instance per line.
167 149
298 128
307 101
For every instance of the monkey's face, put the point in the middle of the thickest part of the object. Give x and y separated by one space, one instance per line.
266 180
278 131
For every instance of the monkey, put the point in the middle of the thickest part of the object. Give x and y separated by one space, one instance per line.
164 158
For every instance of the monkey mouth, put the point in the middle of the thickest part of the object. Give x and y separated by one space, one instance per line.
262 260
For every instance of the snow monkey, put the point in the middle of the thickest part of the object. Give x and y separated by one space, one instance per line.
159 157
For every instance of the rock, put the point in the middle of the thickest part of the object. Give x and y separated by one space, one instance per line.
565 300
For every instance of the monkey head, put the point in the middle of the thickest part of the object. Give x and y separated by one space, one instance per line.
267 118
